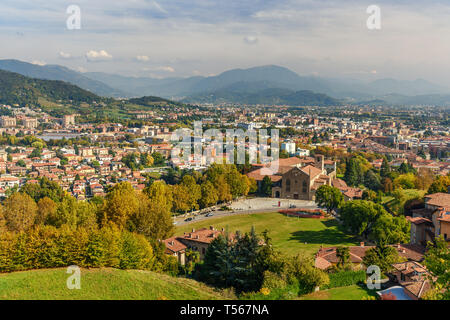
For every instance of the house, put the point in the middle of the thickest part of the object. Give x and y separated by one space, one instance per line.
432 221
349 193
326 258
413 277
197 240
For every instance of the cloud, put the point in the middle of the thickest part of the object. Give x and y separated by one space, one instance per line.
251 40
39 62
101 55
166 69
64 55
142 58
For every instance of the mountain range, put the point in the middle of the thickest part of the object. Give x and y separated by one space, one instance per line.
258 85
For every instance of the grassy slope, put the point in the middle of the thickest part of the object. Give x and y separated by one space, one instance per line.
290 235
107 284
353 292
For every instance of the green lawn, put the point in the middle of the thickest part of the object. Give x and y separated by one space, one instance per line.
353 292
105 284
290 235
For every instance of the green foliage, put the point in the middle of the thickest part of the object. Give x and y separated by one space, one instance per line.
21 90
44 188
345 278
266 186
437 260
329 197
382 256
440 184
371 221
49 247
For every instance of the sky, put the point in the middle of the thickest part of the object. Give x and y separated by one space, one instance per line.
181 38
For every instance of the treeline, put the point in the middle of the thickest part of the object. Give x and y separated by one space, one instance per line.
218 184
43 226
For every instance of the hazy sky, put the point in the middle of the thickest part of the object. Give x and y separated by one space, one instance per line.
168 38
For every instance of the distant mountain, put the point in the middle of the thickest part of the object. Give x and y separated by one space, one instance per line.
252 80
250 85
16 89
273 96
55 72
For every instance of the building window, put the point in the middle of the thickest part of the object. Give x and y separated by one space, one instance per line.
305 187
288 185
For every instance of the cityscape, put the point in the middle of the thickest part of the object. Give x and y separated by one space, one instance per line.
255 182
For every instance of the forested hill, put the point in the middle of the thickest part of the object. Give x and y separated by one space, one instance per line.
16 89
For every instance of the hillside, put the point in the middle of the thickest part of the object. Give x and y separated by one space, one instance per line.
55 72
21 90
102 284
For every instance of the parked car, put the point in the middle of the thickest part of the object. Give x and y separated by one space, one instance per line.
209 214
188 219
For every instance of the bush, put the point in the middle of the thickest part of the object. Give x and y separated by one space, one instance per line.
345 278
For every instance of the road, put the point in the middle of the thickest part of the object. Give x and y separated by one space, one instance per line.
249 206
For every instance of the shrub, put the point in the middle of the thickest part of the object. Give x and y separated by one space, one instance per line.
345 278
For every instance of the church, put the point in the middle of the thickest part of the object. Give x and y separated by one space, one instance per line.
297 178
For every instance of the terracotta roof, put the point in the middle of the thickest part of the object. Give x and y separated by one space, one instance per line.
409 251
174 245
419 220
340 184
439 200
311 171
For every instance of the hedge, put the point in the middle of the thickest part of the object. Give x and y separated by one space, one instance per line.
345 278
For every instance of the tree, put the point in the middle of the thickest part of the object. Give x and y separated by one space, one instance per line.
152 219
424 179
2 221
160 193
343 255
359 216
266 186
352 172
121 203
46 207
382 256
181 199
73 213
388 187
223 189
372 180
437 261
385 168
210 196
20 212
329 197
194 191
440 185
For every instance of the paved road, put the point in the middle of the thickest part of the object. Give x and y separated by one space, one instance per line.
249 206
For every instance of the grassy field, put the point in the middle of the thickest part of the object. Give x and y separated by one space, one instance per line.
107 284
353 292
290 235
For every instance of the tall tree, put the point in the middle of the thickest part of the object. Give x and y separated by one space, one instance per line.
121 203
266 186
20 212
